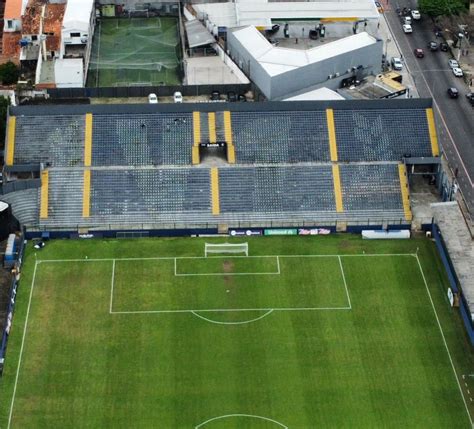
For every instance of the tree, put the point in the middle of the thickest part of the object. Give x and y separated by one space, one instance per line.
9 73
4 103
442 7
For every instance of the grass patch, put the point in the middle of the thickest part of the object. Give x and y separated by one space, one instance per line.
381 363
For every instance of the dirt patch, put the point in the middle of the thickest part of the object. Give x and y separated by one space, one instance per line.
228 266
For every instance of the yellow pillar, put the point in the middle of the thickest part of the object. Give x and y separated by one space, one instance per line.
215 191
44 194
331 134
10 140
337 188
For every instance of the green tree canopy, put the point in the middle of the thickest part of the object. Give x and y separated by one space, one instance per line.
442 7
9 73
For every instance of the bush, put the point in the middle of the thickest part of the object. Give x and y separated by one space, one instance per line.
441 7
9 73
4 103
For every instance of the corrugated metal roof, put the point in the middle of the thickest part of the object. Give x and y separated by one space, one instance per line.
78 14
197 34
276 60
261 12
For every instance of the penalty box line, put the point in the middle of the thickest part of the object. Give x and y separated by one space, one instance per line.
277 272
217 310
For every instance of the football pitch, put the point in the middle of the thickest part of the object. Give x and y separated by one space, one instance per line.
135 51
304 332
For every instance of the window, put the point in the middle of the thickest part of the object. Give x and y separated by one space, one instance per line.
75 34
9 23
34 38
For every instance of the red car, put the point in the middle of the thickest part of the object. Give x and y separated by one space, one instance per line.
419 53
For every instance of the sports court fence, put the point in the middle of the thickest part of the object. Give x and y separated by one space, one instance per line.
143 91
14 285
453 281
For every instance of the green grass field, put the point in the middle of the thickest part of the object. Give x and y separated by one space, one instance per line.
306 332
136 51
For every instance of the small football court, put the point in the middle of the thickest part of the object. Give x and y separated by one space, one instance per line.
135 52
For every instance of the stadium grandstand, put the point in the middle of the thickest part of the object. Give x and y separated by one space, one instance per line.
147 167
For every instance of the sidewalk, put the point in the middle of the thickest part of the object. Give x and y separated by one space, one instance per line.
391 49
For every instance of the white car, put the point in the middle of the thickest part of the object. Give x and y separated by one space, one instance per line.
453 64
407 28
397 63
458 72
152 99
178 97
415 14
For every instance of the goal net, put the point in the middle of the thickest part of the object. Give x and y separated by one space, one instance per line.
226 248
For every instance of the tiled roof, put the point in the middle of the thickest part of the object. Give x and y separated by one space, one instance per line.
13 9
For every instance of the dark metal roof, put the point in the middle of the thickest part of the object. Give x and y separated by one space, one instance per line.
130 109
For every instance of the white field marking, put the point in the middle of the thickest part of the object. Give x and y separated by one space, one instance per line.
21 348
444 340
112 287
253 416
224 274
219 310
278 264
345 283
232 323
202 257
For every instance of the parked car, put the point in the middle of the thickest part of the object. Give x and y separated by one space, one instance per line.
416 15
458 72
419 53
396 63
453 63
178 97
407 28
470 98
379 7
152 98
433 46
453 92
443 46
406 20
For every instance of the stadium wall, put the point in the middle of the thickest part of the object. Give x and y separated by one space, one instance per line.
15 284
453 281
143 91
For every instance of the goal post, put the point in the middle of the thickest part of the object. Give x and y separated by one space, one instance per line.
211 248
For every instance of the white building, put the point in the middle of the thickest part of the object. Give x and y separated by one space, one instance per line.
282 72
261 13
78 26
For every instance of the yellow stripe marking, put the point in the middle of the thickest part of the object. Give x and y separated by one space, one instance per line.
195 155
402 172
228 138
10 140
44 194
88 141
337 188
432 129
196 128
331 134
211 121
215 191
86 194
196 138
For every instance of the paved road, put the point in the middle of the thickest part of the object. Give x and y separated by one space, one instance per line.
432 77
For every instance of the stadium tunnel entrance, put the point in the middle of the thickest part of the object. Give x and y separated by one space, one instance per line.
213 153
